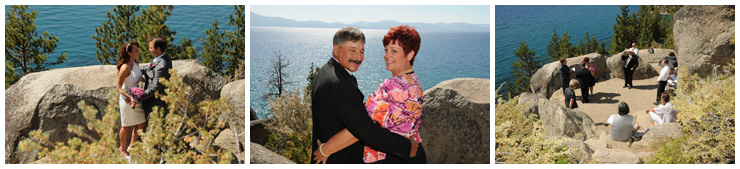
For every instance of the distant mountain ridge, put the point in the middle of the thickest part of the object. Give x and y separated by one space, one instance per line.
259 20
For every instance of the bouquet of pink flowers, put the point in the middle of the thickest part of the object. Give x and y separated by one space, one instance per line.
135 92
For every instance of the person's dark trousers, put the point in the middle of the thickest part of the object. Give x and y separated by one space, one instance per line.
661 88
584 95
628 77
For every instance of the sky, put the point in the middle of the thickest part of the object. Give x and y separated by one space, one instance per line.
478 14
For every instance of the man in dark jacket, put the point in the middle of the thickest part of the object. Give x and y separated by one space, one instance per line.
564 73
337 104
630 64
585 79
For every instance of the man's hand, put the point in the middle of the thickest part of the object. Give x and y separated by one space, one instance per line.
632 69
414 147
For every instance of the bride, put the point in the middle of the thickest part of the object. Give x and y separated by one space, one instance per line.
132 115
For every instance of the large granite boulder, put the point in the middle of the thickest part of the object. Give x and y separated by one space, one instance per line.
702 37
558 120
48 100
656 133
261 155
644 69
656 56
547 79
582 153
235 92
258 133
455 124
227 140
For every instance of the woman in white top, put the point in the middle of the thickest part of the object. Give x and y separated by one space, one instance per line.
132 114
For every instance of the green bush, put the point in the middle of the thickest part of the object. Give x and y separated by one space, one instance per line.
291 127
706 108
184 135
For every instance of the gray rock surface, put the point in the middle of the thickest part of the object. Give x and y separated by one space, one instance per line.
261 155
702 37
656 56
643 71
558 120
235 92
582 152
615 156
455 125
48 100
257 131
226 140
547 79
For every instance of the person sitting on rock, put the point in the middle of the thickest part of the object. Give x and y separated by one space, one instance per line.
663 113
623 125
570 95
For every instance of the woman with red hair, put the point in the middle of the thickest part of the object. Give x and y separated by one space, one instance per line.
396 105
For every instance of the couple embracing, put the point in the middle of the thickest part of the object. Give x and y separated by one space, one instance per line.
136 103
385 129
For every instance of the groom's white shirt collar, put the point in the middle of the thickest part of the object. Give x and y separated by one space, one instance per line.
158 57
350 73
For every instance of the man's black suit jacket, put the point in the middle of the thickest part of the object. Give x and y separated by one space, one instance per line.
633 62
337 104
584 78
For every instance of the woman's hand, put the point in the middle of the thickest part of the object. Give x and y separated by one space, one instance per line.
130 101
319 156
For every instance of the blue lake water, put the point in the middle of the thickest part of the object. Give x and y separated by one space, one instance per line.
442 56
534 25
74 25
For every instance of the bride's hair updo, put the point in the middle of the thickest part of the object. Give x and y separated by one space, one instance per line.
123 56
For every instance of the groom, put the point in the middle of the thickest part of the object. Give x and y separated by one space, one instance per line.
337 104
159 68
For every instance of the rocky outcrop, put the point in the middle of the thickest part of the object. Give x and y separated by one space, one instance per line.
615 156
48 100
252 114
643 71
582 153
227 140
547 79
656 133
235 92
261 155
558 120
656 56
257 131
702 37
455 122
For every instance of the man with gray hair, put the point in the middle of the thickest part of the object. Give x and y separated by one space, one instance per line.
623 125
338 104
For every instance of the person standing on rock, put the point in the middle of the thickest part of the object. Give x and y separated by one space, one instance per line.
630 64
623 124
564 73
662 79
132 114
634 49
585 79
337 105
159 68
570 94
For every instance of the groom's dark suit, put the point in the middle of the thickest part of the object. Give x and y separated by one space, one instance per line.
160 68
337 104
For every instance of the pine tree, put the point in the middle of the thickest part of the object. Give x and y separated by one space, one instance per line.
25 50
553 47
525 66
123 25
223 51
624 31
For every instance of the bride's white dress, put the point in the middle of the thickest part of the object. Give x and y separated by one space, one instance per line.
131 116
